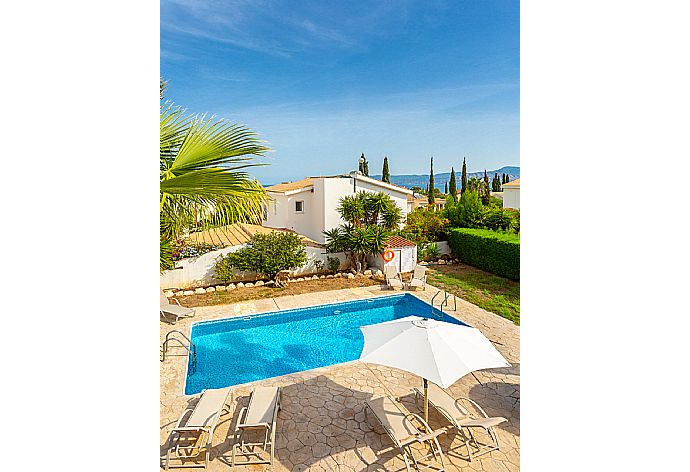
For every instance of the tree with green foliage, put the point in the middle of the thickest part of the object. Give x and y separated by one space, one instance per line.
369 220
495 183
445 191
466 212
386 175
452 187
364 166
417 189
484 190
463 177
266 254
424 225
203 183
431 197
507 178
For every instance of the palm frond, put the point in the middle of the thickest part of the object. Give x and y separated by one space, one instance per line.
203 182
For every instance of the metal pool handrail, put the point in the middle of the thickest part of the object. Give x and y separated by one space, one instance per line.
191 348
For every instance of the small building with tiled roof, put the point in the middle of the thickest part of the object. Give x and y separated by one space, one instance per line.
511 194
400 252
309 206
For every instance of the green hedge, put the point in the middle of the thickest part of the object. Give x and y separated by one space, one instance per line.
492 251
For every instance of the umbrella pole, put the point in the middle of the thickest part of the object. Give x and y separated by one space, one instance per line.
426 400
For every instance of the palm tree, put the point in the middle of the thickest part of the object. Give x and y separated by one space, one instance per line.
202 174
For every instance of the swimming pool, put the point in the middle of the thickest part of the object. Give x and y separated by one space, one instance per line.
244 349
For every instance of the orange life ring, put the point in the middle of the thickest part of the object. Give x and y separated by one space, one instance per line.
388 255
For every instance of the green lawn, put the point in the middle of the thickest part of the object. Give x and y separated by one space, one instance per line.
488 291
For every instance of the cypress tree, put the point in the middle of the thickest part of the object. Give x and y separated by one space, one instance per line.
452 187
446 190
496 183
431 196
463 178
386 177
507 178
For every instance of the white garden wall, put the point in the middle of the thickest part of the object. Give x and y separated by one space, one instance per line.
443 247
198 271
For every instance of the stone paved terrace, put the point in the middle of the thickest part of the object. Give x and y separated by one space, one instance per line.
322 425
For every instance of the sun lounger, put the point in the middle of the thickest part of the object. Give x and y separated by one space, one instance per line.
418 278
259 416
462 420
393 277
405 429
194 432
168 310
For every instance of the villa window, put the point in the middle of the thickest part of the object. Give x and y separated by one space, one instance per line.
299 206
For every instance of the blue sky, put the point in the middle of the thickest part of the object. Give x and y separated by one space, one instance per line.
324 81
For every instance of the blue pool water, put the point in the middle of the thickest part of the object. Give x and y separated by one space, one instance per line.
239 350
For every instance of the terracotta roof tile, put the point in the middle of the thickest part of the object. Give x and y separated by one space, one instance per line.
289 186
234 235
399 241
513 183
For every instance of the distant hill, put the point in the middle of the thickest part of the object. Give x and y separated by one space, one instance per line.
420 180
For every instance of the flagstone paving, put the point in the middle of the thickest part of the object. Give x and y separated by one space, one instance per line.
322 425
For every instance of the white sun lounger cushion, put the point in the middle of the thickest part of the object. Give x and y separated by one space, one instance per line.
209 408
262 406
392 418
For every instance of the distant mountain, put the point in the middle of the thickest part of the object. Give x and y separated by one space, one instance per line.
420 180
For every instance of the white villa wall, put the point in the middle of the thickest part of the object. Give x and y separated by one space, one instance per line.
276 211
281 213
320 205
511 198
198 271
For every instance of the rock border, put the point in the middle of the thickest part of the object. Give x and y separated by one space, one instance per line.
260 283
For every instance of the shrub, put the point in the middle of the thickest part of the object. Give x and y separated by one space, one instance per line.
427 252
333 264
514 215
266 254
496 218
425 225
492 251
496 202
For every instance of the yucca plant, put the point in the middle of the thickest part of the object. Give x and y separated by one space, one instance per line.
369 218
203 179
